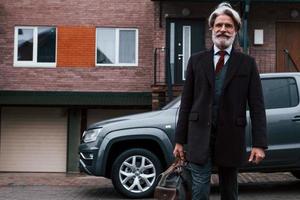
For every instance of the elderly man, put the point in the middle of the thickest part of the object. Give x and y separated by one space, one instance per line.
212 118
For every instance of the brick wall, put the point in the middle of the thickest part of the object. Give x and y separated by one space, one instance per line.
77 73
262 16
74 73
265 16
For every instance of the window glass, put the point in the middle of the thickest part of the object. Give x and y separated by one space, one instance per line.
294 92
116 46
172 50
106 43
25 44
186 48
46 44
127 46
35 46
280 93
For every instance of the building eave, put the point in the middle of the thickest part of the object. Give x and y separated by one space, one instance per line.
60 98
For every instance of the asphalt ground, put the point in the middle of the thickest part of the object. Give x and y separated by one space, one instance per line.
61 186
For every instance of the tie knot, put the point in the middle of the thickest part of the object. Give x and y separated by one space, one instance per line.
222 53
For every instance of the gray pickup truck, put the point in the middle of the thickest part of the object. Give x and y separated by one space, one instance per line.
133 150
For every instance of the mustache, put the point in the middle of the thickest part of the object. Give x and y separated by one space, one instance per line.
223 35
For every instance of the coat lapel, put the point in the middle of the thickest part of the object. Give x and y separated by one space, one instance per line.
233 66
208 67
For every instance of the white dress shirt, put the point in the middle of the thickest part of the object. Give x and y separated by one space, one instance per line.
217 56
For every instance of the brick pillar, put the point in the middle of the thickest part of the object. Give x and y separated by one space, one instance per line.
74 135
158 96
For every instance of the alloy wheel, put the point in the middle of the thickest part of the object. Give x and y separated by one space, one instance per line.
137 174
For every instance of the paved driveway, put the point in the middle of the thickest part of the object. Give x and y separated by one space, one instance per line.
46 186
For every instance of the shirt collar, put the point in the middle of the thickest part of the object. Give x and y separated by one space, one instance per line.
228 49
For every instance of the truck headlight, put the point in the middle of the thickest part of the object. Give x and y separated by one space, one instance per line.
91 135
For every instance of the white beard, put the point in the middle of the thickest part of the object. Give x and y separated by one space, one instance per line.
222 42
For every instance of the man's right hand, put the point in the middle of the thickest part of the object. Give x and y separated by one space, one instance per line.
178 151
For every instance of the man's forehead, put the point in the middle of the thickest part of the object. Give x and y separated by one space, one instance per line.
224 18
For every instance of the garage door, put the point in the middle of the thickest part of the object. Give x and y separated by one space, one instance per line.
33 139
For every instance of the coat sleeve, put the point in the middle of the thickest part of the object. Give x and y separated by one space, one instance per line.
257 109
186 105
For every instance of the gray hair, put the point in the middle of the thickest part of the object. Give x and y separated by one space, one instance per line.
226 9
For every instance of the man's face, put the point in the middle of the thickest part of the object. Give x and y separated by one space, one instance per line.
223 32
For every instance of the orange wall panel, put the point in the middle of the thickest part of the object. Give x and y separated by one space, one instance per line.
76 46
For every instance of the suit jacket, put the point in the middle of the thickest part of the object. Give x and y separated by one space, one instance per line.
242 85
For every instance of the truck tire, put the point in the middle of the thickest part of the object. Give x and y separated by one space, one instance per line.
296 174
135 172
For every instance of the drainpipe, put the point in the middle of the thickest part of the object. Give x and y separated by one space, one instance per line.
168 77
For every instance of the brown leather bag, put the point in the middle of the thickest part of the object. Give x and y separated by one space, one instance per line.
174 183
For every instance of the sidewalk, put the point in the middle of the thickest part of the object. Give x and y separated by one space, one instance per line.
52 179
78 179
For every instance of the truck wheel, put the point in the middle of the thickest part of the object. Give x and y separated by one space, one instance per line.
135 172
296 174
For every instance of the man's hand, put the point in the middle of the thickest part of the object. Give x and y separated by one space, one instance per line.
257 155
178 151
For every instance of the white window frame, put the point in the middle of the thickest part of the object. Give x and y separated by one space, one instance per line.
34 62
117 37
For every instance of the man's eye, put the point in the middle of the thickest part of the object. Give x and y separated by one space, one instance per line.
228 26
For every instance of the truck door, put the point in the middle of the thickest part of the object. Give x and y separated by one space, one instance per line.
283 120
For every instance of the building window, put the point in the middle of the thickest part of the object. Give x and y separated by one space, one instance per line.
35 47
117 47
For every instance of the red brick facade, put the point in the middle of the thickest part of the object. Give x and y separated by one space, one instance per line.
262 16
76 22
69 16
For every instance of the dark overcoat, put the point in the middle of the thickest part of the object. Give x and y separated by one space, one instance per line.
242 85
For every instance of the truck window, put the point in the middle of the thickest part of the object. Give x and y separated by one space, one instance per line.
280 92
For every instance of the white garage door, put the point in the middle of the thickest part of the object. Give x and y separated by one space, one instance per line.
33 139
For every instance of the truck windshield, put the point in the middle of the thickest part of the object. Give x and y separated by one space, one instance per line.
175 103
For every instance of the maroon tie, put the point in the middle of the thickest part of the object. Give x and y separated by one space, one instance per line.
220 63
